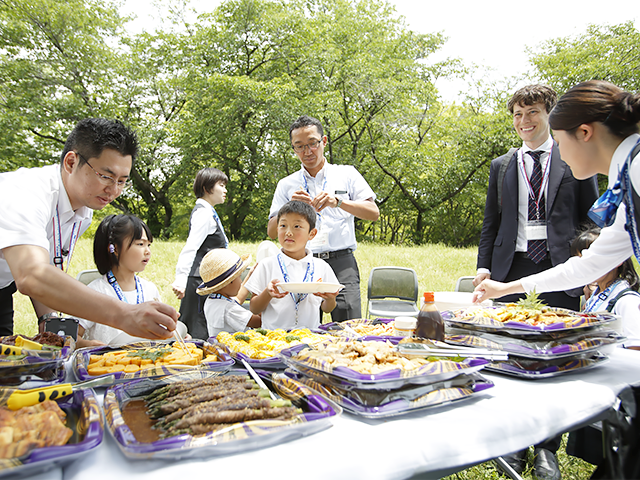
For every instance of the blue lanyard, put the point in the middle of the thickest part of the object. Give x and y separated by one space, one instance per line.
627 188
306 189
58 259
219 296
217 219
114 284
308 277
597 299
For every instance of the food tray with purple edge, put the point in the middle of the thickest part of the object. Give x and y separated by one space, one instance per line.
45 378
16 369
84 417
538 369
337 328
486 324
270 362
394 402
603 340
395 378
81 361
240 437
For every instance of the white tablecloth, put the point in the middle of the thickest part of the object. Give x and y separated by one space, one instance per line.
510 416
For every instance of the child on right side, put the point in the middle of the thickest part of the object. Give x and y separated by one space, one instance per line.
221 270
615 292
295 263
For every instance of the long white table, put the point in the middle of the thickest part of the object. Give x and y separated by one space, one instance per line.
508 417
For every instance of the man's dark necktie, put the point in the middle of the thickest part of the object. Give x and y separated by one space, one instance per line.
536 249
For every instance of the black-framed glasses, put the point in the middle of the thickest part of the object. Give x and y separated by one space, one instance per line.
313 145
107 180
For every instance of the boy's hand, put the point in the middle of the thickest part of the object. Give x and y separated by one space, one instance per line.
179 292
274 291
328 295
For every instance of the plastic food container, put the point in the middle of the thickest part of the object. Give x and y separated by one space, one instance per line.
405 326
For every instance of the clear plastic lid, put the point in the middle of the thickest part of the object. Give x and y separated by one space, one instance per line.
405 322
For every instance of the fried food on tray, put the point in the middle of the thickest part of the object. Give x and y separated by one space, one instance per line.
363 357
514 313
28 428
260 343
133 360
44 338
379 330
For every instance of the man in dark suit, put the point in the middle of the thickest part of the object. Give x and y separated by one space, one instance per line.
530 220
509 232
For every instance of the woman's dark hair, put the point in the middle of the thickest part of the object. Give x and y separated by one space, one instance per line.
301 208
111 234
206 179
625 271
597 101
92 135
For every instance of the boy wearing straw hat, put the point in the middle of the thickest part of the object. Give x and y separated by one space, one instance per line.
294 263
220 271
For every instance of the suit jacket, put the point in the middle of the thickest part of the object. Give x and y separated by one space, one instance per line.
567 203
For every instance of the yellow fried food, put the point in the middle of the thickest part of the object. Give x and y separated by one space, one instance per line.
260 343
134 360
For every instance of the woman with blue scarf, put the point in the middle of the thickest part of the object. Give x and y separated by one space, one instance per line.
596 126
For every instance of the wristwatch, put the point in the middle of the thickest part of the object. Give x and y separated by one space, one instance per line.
339 200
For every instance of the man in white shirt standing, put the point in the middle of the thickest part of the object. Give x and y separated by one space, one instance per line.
338 194
44 212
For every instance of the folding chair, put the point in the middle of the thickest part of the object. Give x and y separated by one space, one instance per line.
88 276
243 275
392 292
465 284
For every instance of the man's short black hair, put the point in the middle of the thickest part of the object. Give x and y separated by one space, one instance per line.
301 208
92 135
306 121
206 179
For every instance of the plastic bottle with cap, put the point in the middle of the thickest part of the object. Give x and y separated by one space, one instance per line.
405 326
430 323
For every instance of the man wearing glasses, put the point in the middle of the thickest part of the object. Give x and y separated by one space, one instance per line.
44 212
338 193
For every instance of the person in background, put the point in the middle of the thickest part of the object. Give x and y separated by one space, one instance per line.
338 194
121 249
287 310
205 233
45 210
534 206
615 292
221 271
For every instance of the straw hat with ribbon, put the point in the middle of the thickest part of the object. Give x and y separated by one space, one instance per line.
219 268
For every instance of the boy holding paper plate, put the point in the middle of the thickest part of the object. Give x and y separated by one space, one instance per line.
303 278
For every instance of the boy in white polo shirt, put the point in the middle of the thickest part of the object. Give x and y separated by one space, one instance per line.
294 264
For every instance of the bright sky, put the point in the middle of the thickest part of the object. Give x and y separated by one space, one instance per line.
492 34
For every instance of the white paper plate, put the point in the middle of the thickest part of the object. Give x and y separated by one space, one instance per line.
310 287
123 338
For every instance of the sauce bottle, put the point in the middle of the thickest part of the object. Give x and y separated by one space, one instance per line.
430 323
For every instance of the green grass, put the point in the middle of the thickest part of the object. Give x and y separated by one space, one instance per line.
438 267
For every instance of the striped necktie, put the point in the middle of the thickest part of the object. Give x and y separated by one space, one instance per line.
536 249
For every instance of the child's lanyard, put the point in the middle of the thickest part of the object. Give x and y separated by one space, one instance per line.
58 259
297 297
219 296
114 284
306 188
545 180
217 219
596 301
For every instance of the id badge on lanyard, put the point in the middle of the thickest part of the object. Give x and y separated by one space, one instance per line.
536 230
320 240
